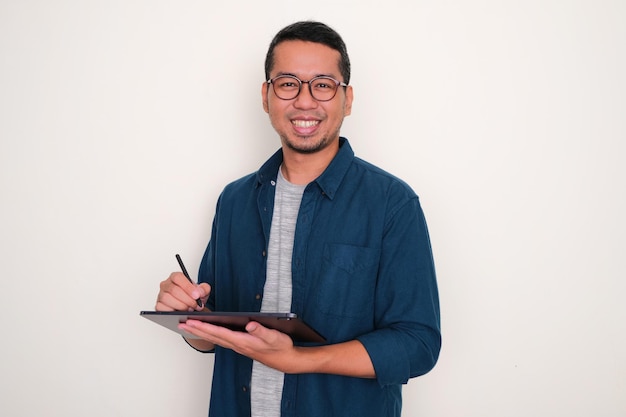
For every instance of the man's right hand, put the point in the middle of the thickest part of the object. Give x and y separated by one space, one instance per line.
178 294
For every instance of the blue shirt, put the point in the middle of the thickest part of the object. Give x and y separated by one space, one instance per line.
362 268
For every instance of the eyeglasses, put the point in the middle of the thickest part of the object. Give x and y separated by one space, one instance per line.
288 87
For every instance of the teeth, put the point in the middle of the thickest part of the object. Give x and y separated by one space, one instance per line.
305 123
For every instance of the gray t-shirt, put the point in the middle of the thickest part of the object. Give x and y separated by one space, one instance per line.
267 383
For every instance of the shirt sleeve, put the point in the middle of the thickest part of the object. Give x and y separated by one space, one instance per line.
407 339
207 265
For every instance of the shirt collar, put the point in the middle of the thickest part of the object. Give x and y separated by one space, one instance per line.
330 179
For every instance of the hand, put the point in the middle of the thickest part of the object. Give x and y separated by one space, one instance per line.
178 294
268 346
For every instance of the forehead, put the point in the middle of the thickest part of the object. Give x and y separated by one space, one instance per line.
305 59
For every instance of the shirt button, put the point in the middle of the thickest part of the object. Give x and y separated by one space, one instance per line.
273 183
258 296
244 388
264 253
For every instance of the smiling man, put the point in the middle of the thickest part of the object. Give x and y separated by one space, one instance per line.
328 236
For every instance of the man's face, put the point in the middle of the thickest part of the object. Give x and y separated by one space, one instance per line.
304 124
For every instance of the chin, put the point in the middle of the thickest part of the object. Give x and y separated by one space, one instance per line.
306 149
307 145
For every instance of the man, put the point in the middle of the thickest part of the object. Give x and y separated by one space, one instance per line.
321 233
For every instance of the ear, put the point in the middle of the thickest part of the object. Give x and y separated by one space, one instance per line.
265 88
347 108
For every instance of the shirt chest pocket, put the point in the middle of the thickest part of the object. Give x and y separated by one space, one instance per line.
347 281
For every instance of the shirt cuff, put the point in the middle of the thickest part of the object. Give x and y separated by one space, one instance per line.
195 348
388 355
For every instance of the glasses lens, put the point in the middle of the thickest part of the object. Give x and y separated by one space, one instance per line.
323 88
286 87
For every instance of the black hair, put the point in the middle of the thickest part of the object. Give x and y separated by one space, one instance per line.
310 31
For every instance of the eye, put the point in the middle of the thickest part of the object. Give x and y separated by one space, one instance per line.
287 84
324 84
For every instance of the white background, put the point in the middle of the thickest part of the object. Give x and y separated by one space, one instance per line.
121 121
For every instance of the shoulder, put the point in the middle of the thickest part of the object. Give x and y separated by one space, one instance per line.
250 183
244 183
378 189
380 180
238 190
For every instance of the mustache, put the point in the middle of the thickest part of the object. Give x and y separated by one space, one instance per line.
306 115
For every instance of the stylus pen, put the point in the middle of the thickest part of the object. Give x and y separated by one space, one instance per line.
182 267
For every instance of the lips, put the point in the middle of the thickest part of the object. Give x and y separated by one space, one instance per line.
305 127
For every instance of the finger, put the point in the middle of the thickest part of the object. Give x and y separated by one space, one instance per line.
196 292
180 280
175 292
167 302
215 334
204 288
180 288
266 335
162 307
201 294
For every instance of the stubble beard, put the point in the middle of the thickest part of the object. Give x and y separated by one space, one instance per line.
310 146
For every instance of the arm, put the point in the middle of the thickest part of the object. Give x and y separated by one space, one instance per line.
277 351
347 359
407 339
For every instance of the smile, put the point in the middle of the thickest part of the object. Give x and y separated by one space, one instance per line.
305 123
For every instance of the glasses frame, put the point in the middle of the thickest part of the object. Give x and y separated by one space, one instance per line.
300 82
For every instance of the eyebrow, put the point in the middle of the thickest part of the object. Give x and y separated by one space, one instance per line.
315 76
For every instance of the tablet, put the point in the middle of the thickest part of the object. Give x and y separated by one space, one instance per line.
288 323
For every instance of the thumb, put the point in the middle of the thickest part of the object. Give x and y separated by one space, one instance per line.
257 330
252 327
202 290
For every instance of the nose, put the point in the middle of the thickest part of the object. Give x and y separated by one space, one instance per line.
305 100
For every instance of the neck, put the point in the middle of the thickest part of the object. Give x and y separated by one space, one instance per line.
302 168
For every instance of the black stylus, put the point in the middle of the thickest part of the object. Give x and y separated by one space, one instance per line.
182 267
